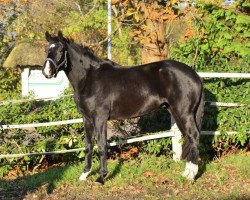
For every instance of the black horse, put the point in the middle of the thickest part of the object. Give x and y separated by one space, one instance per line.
104 90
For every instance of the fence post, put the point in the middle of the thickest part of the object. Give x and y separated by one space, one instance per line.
25 82
176 141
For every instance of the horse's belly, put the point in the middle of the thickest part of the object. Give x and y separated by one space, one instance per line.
132 106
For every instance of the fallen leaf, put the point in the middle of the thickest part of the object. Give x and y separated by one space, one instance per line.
149 173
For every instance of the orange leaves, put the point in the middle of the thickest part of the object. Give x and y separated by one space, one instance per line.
149 173
139 35
189 33
5 1
132 152
144 36
154 15
115 2
172 2
142 11
125 3
202 33
170 16
2 17
135 33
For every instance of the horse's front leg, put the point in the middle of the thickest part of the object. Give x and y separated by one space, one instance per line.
89 137
101 133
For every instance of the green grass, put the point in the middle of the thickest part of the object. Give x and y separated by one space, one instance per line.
146 177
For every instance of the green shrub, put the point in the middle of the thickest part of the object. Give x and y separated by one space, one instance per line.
10 83
221 44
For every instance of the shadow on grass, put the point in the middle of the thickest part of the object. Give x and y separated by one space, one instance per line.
20 187
116 170
112 173
45 181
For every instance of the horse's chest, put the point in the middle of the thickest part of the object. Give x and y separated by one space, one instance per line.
78 103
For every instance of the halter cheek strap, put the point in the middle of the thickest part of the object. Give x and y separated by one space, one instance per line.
57 67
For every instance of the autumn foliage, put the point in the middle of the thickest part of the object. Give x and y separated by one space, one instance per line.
152 22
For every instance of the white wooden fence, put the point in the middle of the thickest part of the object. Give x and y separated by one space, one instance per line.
174 132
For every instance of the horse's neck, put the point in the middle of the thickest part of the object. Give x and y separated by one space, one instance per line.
79 66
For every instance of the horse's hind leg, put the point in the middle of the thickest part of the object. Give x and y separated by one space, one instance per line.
190 151
89 137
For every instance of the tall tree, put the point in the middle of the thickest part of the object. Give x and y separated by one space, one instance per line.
152 24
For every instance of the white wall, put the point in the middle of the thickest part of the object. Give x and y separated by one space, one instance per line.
34 81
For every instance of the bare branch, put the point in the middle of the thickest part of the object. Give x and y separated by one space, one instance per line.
104 40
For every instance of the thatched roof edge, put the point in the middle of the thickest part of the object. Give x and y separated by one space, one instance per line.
26 54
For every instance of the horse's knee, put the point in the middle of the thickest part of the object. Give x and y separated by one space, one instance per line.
102 151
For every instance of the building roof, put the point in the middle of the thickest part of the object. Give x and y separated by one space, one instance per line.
26 54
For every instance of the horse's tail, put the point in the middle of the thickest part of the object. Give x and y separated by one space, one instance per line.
200 109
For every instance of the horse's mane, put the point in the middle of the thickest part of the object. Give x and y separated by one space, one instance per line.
85 50
88 52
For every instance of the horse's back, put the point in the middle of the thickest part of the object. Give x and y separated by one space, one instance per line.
173 76
130 89
176 68
163 77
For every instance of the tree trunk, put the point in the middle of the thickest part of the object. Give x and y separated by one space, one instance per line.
151 52
155 47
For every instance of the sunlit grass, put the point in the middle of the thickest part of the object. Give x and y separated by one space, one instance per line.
144 177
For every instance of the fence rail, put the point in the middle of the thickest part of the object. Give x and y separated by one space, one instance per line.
80 120
35 99
56 123
174 132
153 136
223 75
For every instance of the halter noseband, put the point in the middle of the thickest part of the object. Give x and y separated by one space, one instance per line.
57 67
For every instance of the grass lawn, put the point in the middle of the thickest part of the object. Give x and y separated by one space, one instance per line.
144 177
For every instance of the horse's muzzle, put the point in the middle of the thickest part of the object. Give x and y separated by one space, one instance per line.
47 70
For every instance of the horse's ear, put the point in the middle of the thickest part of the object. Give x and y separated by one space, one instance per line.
60 35
47 36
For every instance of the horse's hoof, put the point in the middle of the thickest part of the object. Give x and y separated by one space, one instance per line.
83 176
99 181
190 171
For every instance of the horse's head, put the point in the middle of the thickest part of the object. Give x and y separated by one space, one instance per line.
56 55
